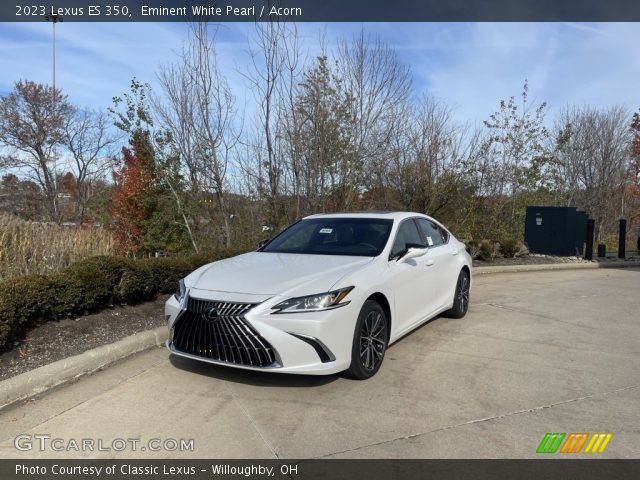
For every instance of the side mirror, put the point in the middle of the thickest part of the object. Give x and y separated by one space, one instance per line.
413 251
263 243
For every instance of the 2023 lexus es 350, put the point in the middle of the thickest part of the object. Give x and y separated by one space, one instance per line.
326 295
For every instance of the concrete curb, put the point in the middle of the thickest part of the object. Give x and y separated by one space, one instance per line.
48 376
553 266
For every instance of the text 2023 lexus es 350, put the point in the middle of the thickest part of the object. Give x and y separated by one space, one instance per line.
328 294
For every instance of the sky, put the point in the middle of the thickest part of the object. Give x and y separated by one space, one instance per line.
470 66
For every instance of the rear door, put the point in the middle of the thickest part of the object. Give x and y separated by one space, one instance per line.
441 262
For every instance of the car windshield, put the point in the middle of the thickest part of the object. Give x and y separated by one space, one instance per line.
333 236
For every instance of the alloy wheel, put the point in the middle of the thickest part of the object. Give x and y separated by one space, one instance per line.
373 340
463 292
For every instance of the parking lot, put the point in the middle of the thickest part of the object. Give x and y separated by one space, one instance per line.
555 351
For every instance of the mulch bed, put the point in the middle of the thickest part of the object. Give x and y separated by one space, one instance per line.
527 260
56 340
535 259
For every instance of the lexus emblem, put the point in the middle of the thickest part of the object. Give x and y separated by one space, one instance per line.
210 314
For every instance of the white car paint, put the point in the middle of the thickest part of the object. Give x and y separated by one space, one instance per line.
416 290
276 273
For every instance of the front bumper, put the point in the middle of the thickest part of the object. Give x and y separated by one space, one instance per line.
313 343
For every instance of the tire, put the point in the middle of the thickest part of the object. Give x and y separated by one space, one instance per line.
370 340
461 297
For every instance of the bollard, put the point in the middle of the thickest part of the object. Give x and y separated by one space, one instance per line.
622 238
602 250
588 251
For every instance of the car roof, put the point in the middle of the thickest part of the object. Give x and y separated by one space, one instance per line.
369 214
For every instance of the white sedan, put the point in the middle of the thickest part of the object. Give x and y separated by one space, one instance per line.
328 294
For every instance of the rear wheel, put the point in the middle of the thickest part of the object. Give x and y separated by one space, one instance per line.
369 341
461 297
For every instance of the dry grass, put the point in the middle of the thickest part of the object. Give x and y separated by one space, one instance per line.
32 247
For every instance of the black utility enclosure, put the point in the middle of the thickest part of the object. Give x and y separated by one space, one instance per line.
555 230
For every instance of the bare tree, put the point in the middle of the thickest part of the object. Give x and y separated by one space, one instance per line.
517 135
429 160
593 160
290 120
91 143
273 69
325 148
380 85
199 113
32 117
511 161
631 193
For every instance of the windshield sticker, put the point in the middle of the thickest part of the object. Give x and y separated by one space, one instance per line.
326 230
429 241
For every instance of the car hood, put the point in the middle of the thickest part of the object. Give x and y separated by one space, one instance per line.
262 273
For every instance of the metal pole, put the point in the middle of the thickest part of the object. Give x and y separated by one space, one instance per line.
54 18
54 58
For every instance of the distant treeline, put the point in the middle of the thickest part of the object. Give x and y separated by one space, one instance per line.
184 168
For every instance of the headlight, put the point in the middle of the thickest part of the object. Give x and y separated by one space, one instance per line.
314 303
180 291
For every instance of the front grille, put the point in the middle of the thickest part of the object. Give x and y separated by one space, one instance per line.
227 338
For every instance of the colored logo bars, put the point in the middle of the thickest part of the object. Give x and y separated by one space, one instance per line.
573 442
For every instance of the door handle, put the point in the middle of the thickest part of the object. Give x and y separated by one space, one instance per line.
429 262
455 252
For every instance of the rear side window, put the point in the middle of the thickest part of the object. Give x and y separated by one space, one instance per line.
433 233
444 233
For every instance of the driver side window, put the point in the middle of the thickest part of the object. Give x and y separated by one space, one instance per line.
300 239
407 233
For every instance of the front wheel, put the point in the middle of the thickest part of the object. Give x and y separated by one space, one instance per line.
461 297
369 341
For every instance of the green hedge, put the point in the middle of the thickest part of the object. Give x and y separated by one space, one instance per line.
88 286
